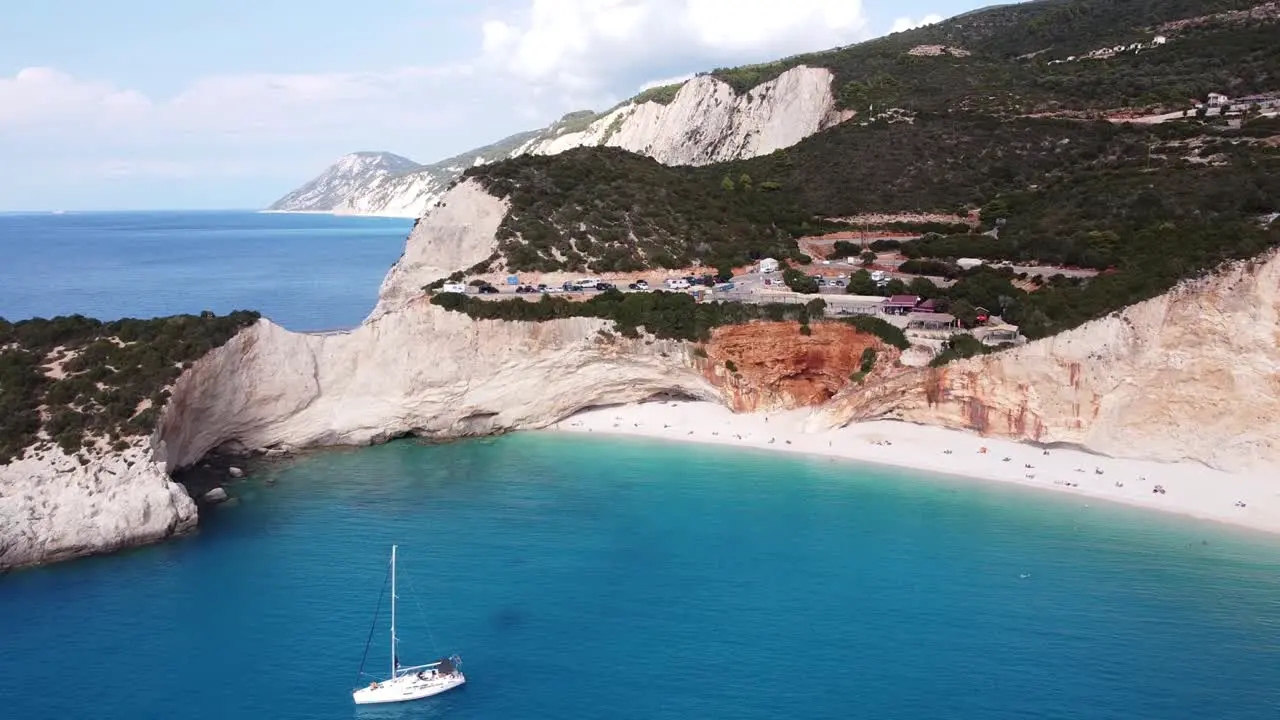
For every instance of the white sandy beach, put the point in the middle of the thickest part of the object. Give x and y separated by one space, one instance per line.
1190 489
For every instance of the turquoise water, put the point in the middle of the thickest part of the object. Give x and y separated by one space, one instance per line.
306 272
612 578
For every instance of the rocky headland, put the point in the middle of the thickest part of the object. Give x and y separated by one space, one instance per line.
1189 376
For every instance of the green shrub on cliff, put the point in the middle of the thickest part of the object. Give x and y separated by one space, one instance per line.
883 329
663 94
666 315
958 347
114 375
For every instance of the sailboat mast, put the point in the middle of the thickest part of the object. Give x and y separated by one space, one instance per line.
393 612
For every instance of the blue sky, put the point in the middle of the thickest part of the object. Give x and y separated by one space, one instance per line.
148 104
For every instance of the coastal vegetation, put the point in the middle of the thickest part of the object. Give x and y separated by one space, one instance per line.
604 209
999 60
75 381
666 315
663 94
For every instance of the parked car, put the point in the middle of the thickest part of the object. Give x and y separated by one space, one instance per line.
542 287
602 286
488 290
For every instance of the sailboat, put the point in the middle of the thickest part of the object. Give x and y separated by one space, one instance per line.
407 683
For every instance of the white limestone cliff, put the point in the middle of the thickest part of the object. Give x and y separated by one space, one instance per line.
419 370
353 175
53 508
456 235
1192 375
706 122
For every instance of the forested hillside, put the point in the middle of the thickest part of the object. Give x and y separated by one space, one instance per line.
1000 60
77 381
1147 204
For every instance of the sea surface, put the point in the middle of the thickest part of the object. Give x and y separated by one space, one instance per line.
594 577
305 272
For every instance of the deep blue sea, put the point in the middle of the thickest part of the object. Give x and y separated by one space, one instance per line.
590 577
613 578
306 272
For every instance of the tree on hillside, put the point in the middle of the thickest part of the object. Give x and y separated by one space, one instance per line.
965 313
799 282
724 272
868 258
860 283
845 249
923 287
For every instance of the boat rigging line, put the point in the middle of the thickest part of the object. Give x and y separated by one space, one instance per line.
377 609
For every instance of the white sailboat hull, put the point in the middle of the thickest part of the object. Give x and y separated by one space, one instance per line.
407 687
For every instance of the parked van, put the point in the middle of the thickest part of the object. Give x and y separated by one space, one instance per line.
678 284
453 288
587 283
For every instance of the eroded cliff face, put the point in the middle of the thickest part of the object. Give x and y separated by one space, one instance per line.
765 366
419 370
53 507
1190 375
708 122
456 235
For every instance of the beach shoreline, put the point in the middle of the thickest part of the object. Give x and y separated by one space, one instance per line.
1190 489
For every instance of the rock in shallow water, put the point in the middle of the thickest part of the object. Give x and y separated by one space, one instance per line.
214 496
235 472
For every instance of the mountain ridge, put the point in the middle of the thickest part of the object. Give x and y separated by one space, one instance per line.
700 121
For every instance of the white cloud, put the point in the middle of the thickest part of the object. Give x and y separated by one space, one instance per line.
662 82
580 46
37 95
906 23
528 67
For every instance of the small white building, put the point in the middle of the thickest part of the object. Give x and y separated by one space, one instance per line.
1218 99
1159 40
969 263
768 265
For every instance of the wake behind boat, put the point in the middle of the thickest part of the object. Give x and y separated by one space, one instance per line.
407 683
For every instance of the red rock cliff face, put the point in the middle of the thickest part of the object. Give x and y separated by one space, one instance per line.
772 365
